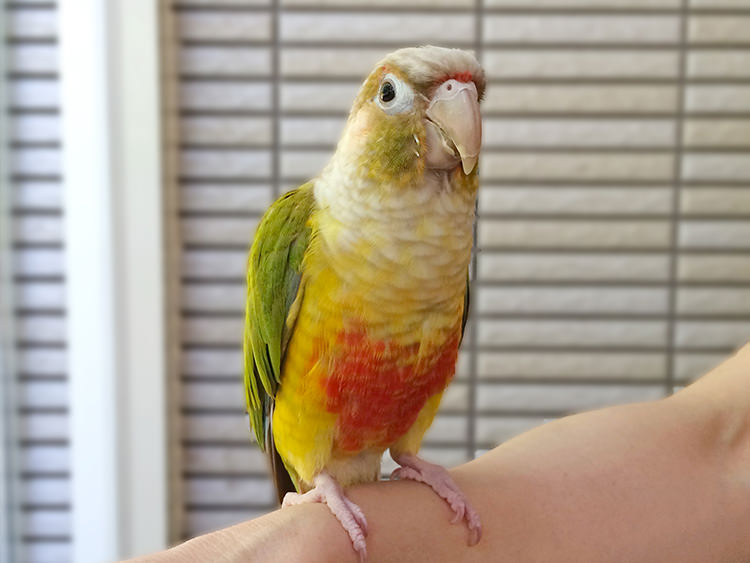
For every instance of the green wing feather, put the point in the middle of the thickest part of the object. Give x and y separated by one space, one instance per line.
274 271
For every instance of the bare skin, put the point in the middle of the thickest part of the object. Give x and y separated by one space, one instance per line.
667 480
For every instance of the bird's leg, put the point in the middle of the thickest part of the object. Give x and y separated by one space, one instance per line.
328 491
417 469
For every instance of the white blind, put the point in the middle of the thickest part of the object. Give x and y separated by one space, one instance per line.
33 116
614 230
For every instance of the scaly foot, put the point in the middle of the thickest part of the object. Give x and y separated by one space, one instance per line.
412 467
328 491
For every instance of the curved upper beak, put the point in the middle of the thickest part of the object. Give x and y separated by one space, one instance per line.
454 108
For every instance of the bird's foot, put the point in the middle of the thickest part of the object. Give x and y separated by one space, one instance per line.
351 517
414 468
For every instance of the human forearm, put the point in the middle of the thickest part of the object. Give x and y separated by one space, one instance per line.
634 483
274 536
660 481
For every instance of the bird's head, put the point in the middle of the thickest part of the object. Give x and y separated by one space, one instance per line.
418 110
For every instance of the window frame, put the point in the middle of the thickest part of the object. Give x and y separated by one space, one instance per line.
114 237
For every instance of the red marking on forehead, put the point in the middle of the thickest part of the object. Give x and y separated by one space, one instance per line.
460 76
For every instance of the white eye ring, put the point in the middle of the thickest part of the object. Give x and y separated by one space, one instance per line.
394 95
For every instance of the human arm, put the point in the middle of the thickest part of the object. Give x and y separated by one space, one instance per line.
667 480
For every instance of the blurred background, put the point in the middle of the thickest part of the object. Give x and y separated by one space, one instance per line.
613 233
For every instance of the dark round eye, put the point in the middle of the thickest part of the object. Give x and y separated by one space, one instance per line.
394 96
387 92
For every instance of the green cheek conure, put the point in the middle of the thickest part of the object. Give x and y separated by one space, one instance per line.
358 289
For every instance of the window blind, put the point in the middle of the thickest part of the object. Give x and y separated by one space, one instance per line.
33 118
613 259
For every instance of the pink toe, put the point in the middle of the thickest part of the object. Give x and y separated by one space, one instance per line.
359 516
349 515
290 499
475 526
441 482
402 473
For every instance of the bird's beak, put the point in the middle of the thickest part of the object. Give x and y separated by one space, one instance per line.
454 109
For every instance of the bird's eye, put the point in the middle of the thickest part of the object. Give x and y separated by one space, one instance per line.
394 95
387 91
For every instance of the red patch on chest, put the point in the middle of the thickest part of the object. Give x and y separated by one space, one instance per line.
378 388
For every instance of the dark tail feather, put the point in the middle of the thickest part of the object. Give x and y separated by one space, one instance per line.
281 478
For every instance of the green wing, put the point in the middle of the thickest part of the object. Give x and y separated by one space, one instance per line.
273 283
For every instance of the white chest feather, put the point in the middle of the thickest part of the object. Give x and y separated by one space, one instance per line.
399 244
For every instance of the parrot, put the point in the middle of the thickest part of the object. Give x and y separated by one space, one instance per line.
358 290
